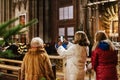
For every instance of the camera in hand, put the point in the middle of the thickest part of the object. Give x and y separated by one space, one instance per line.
61 38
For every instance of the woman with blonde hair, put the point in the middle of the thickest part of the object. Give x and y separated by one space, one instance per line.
36 63
75 55
104 57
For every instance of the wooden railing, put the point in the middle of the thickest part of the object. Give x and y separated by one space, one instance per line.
13 66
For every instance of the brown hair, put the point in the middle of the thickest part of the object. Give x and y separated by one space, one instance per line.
81 38
101 36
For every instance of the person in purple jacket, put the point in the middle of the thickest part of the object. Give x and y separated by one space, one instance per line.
104 57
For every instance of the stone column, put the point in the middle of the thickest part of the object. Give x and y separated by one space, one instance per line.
0 10
82 10
46 22
36 11
4 10
119 20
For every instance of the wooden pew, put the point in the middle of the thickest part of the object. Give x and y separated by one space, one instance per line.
11 66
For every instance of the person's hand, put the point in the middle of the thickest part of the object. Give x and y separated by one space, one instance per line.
65 41
89 67
59 43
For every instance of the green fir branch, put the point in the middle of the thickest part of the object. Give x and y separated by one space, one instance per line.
12 31
4 25
7 54
34 21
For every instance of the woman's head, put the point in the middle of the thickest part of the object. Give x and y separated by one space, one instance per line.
81 38
100 35
37 46
37 42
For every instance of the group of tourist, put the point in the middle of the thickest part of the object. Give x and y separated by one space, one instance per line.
37 66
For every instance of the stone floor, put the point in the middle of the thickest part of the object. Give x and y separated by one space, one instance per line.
5 77
88 76
59 76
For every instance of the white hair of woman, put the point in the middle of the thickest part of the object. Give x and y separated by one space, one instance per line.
37 42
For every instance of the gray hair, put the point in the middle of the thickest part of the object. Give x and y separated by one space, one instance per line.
37 42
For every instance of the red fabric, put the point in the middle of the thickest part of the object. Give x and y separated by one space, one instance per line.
104 63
